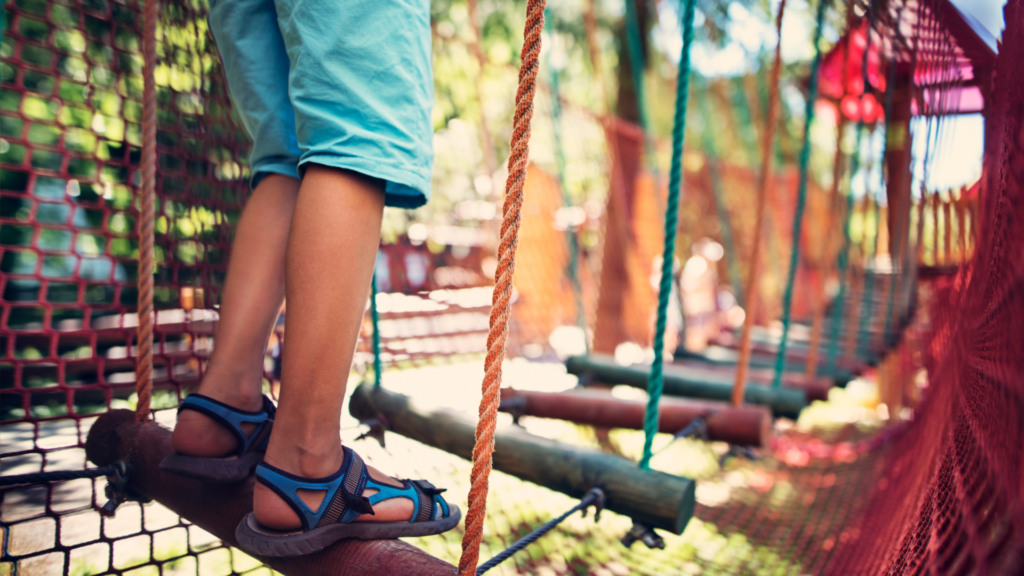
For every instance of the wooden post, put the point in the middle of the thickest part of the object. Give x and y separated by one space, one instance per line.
935 229
654 498
679 382
961 230
743 425
218 508
947 229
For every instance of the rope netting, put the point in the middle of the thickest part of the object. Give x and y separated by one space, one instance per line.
940 493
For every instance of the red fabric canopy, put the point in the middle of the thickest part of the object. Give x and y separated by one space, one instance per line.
951 62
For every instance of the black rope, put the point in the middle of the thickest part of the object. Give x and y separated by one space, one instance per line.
697 427
41 477
593 498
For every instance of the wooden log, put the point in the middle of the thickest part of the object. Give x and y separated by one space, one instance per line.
816 388
786 402
744 425
761 359
654 498
218 508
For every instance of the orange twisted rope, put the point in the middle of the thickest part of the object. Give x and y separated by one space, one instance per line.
762 193
144 365
502 298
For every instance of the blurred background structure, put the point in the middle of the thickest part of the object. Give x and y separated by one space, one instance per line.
908 457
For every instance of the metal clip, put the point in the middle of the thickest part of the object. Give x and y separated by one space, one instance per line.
516 406
697 428
745 451
377 426
645 534
585 380
116 489
595 498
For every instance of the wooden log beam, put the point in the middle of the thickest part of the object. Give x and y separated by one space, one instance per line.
744 425
654 498
725 355
816 388
218 508
786 402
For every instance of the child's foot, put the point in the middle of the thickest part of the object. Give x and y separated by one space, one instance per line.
197 434
273 512
335 496
219 439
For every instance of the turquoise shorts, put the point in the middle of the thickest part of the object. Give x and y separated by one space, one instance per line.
344 84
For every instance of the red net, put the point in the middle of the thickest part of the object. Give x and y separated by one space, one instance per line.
69 170
950 500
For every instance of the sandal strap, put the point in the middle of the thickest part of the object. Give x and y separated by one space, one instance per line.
343 489
232 418
344 500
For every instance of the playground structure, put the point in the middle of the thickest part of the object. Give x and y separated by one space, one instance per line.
942 493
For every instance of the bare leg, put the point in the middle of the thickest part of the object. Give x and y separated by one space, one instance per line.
332 248
252 300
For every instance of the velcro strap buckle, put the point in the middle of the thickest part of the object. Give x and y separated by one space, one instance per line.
427 488
360 504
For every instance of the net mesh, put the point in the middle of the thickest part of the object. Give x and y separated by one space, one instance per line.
939 494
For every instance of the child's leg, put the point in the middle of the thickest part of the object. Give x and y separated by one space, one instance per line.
252 300
256 67
331 253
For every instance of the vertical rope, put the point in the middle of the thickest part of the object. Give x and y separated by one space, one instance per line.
635 48
935 229
501 307
895 264
144 358
656 382
594 51
718 195
378 371
801 198
844 253
572 242
742 104
768 140
826 269
864 337
865 323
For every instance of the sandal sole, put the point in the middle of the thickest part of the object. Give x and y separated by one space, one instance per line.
260 541
214 470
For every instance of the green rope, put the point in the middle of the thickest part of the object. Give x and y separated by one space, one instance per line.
746 128
710 152
636 65
843 257
801 199
375 319
570 234
864 326
656 383
864 334
844 254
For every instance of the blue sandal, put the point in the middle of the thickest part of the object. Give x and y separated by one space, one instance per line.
342 504
238 466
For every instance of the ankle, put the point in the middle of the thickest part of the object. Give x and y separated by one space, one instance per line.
240 390
310 461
